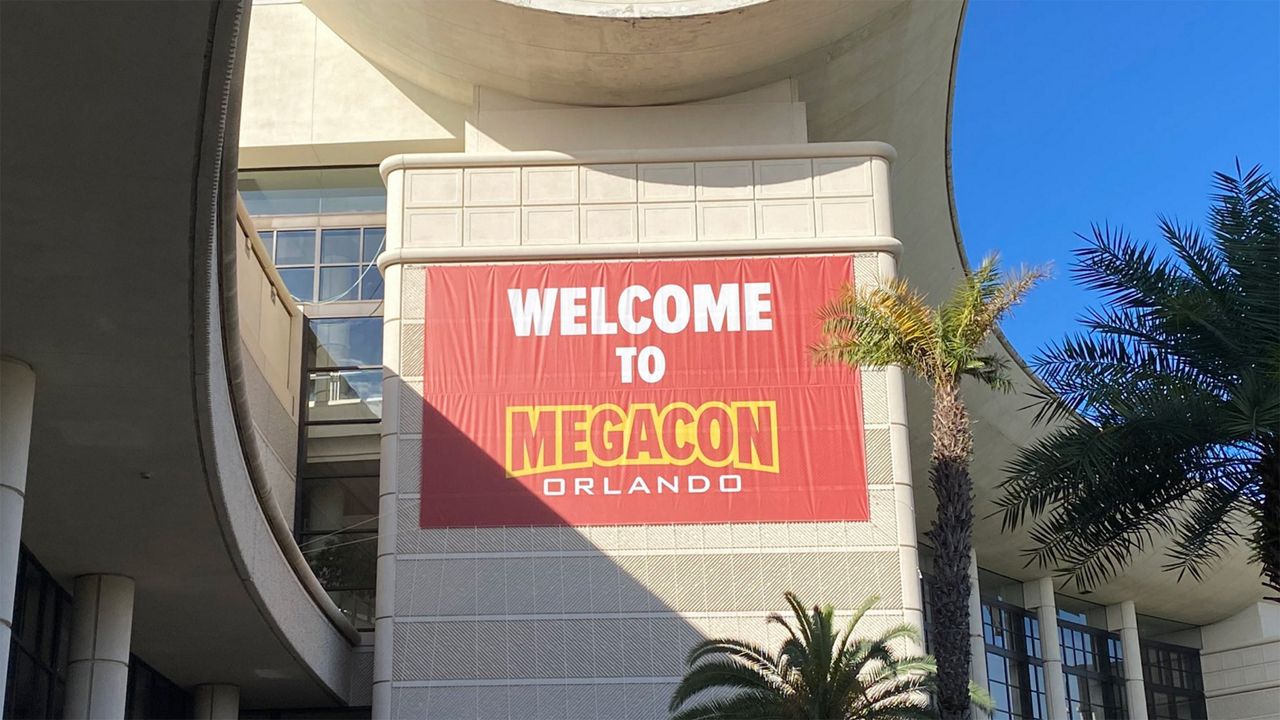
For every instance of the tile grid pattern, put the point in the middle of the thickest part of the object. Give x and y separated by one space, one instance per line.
644 202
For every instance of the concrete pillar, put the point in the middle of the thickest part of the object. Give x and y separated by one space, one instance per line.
17 399
101 625
1123 619
900 451
217 702
1039 597
977 644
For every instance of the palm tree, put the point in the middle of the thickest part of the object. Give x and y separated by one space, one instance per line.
819 672
1167 409
891 324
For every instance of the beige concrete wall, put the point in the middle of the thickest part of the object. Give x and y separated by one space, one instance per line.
768 115
309 99
594 621
271 345
1240 659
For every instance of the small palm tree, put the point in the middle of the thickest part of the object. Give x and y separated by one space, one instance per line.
819 672
891 324
1166 410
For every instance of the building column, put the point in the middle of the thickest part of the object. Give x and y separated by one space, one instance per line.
101 625
17 399
1123 619
1039 597
977 643
217 702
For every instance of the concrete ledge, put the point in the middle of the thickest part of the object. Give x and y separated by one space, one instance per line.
528 253
868 148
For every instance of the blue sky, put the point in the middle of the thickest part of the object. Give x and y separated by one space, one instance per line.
1068 113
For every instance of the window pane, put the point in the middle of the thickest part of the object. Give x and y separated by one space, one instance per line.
313 191
340 246
268 238
338 283
371 285
300 282
373 239
345 395
344 342
296 247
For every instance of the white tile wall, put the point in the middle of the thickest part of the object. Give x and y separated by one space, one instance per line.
557 205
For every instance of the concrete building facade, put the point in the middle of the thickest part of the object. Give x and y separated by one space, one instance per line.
212 494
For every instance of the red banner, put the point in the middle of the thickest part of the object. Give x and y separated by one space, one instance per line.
621 393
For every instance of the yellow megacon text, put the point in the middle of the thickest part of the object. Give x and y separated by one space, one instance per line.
554 438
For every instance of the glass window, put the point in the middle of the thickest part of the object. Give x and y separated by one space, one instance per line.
1015 670
1094 666
152 696
295 247
345 342
1175 685
373 241
339 283
371 284
345 395
300 281
268 238
340 246
38 645
313 191
341 271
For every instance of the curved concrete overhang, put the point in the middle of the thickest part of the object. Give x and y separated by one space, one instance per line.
585 52
118 210
882 71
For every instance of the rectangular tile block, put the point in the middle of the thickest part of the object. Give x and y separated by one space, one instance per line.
492 186
844 217
608 223
727 180
726 221
436 187
784 218
608 183
784 178
487 226
434 228
668 222
550 185
666 182
841 176
550 225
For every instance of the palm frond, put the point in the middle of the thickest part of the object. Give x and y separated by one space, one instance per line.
1166 408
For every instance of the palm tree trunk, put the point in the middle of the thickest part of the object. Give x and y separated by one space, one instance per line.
951 536
1267 536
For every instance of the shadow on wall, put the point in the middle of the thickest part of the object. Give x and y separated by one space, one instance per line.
537 622
594 620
